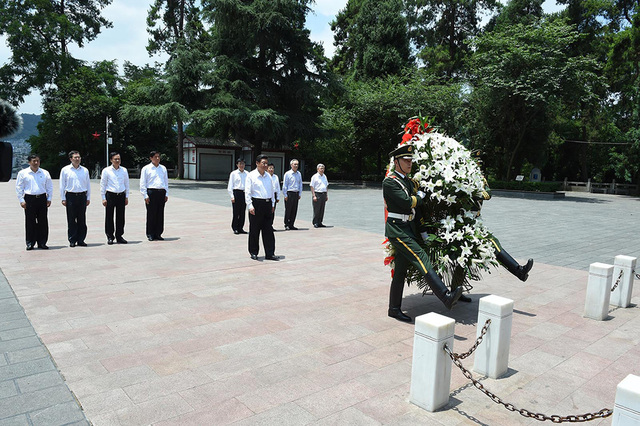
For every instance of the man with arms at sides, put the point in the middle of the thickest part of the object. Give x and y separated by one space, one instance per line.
319 185
114 190
261 204
401 200
276 188
235 188
75 191
154 187
35 189
292 191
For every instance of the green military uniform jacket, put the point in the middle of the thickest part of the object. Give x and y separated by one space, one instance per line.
398 193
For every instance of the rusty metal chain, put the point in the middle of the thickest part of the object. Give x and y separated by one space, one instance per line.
605 412
478 341
617 281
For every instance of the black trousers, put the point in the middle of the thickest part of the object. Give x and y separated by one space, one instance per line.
76 216
239 207
408 251
115 202
290 208
273 216
36 223
261 223
318 207
155 212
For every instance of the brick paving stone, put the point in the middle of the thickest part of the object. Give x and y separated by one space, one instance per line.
192 331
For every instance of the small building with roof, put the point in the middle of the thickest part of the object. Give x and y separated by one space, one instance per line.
214 159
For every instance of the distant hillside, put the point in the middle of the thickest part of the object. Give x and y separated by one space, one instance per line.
29 127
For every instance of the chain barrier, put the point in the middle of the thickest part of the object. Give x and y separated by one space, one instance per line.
617 281
478 341
605 412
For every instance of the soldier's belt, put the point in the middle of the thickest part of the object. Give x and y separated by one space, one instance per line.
403 217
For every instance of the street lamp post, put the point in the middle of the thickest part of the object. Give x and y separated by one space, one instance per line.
108 141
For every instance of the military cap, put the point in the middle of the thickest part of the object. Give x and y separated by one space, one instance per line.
403 151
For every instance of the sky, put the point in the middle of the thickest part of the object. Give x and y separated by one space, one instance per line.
127 40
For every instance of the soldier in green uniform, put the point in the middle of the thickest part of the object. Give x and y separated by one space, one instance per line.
401 200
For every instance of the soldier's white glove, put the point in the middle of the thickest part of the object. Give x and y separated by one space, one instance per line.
421 194
424 235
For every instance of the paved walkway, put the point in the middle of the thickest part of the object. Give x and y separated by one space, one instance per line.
191 331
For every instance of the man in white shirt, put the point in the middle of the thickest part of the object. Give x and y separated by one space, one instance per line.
318 185
75 192
114 190
154 186
35 189
292 191
276 188
235 188
261 204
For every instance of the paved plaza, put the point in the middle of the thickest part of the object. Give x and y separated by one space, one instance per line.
191 331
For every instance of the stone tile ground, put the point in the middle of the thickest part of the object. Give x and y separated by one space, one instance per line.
191 331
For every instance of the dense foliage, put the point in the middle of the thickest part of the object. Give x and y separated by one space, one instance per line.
559 92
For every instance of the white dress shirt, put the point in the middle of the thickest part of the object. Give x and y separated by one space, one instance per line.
258 186
74 180
114 180
33 183
276 186
153 177
236 181
292 182
319 182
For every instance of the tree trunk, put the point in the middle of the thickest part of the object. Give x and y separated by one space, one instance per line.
180 149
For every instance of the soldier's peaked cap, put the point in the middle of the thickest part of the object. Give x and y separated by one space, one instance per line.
403 151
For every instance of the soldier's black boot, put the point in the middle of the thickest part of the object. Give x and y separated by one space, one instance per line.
449 298
395 297
399 315
522 272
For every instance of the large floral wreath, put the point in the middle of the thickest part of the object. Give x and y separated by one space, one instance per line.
458 244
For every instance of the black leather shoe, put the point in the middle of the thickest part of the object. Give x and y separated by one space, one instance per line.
293 228
399 315
286 228
466 299
254 257
315 225
72 244
236 232
121 240
274 257
110 241
320 225
149 237
243 231
82 244
159 238
29 246
43 246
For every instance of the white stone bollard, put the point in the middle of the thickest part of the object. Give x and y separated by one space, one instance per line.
431 368
492 355
596 305
626 411
621 296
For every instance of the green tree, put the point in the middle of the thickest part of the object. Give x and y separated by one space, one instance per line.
441 31
175 29
370 117
372 39
74 112
521 74
267 78
39 33
141 127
